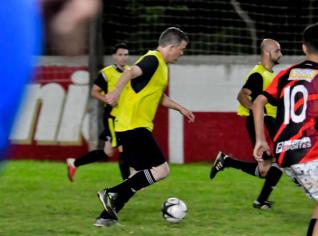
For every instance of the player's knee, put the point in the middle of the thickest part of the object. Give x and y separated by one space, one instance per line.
109 150
263 168
262 173
109 153
160 172
165 171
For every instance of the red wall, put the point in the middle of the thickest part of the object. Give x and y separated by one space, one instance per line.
215 131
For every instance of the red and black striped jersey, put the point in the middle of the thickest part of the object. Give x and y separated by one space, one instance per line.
295 92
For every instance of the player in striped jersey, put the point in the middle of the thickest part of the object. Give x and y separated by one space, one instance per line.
295 92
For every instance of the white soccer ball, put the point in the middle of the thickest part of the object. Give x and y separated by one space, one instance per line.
173 210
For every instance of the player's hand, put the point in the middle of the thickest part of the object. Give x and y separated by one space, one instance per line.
112 98
261 146
185 112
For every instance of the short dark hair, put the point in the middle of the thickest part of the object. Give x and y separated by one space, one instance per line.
118 46
310 38
173 36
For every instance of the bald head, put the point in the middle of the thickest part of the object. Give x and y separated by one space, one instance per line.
270 51
268 45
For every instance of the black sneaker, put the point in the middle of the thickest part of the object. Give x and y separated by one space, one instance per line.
266 205
218 164
107 199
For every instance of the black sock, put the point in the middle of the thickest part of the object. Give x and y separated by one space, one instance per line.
123 166
93 156
272 178
247 167
138 181
127 189
122 199
311 226
119 204
105 215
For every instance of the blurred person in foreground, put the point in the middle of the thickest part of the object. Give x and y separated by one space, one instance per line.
21 39
295 92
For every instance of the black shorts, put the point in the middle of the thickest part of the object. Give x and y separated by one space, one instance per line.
141 149
270 126
108 133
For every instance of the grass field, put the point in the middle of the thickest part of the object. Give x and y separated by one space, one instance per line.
37 199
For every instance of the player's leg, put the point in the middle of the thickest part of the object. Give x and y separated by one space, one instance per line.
96 155
144 155
123 165
273 176
90 157
223 160
270 170
313 226
115 142
305 176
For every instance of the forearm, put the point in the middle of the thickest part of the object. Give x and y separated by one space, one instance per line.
169 103
126 76
97 92
98 96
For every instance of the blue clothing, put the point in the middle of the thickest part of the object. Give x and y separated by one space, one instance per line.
20 41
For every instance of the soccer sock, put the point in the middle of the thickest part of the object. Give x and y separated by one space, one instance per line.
122 199
105 215
271 180
311 227
119 204
93 156
127 189
138 181
123 166
247 167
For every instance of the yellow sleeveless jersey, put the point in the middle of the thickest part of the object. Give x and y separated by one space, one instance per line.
111 75
268 77
138 110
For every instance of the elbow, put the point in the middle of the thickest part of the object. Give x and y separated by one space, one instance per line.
239 98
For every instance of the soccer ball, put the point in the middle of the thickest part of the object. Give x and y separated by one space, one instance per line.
173 210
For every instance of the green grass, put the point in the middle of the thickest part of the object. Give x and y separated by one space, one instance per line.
37 199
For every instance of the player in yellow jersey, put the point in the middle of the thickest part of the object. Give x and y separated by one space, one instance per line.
257 81
105 83
146 82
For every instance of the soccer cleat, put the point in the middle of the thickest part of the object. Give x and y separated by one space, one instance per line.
71 168
102 222
218 164
107 199
266 205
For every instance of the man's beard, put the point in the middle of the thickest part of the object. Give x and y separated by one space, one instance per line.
276 62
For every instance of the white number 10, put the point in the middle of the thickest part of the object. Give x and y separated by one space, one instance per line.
289 104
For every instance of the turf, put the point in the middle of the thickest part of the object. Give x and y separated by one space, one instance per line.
37 199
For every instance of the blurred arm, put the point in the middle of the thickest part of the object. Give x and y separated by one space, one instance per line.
169 103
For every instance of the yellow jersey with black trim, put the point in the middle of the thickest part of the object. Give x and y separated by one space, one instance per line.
138 109
267 77
112 74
